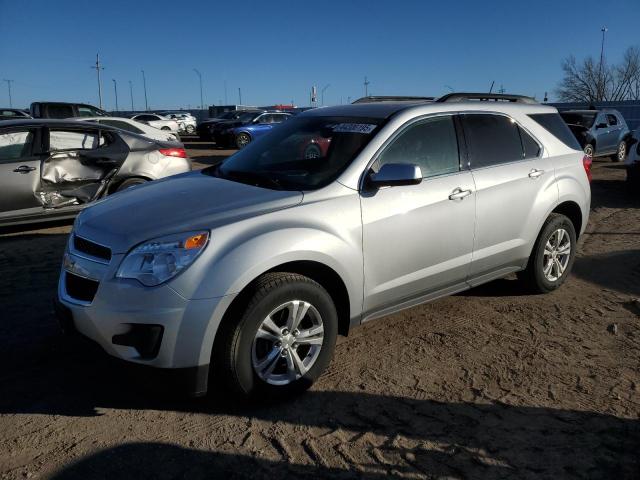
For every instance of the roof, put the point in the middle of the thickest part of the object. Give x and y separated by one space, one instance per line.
43 122
370 110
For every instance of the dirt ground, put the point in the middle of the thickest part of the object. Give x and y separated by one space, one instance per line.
490 383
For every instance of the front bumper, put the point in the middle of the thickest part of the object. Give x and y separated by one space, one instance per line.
153 326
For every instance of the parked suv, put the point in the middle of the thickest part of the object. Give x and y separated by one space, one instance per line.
250 269
600 132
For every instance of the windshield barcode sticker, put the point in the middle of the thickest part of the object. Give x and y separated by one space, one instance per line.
354 128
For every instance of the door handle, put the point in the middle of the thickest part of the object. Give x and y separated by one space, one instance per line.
24 169
459 194
535 173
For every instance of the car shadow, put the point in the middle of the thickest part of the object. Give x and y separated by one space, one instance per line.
616 270
613 194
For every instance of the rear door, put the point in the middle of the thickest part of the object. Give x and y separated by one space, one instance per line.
79 164
510 175
19 170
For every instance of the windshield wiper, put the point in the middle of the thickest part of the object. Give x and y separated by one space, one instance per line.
257 179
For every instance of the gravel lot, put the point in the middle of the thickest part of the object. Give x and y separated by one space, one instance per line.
490 383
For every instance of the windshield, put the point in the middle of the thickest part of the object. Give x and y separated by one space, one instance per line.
582 119
247 116
304 153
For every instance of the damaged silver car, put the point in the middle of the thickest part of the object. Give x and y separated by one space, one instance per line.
51 169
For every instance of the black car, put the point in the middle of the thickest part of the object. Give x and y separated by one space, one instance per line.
64 110
205 129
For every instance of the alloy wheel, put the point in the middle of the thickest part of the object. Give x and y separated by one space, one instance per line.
243 140
557 252
622 151
288 342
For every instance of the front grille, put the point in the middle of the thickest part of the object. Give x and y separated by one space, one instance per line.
90 248
80 288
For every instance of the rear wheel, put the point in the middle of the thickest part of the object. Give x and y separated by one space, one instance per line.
552 257
621 152
281 343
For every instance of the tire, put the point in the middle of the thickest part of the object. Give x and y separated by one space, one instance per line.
621 152
191 129
245 342
589 150
165 128
537 277
312 151
242 140
130 182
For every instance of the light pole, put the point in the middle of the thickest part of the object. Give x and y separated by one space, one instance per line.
366 87
200 78
115 89
144 82
239 96
9 87
131 93
322 93
98 68
600 78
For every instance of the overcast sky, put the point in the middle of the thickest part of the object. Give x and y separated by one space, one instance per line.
276 50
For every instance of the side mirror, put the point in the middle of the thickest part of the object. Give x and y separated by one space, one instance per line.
601 125
396 174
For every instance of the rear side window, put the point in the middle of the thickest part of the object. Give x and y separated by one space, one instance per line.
529 145
612 119
431 144
491 139
555 125
62 140
59 111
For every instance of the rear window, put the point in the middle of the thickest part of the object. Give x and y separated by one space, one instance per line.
554 124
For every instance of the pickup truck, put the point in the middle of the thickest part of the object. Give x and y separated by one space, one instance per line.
64 110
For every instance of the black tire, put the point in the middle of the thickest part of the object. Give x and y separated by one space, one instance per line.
533 277
312 151
190 129
165 128
233 370
130 182
621 152
589 150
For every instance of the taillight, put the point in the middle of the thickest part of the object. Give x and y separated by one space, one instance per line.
586 162
173 152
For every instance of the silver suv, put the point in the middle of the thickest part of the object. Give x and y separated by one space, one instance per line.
242 275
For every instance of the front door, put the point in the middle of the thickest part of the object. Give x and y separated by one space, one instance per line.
418 239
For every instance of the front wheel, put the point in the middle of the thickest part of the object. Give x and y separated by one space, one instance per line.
130 182
621 152
281 343
242 140
191 129
552 257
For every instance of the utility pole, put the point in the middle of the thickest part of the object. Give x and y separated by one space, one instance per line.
144 82
366 87
131 93
9 87
239 96
115 89
491 89
322 93
600 77
226 101
501 90
98 68
200 78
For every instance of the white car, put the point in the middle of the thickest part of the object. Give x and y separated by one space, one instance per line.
186 121
134 127
157 121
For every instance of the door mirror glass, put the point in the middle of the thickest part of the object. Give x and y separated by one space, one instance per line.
396 174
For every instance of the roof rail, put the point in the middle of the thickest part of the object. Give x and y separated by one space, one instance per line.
392 98
496 97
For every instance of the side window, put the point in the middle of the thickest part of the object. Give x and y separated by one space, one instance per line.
59 111
529 145
431 144
62 140
612 119
264 119
15 145
86 111
601 120
122 125
491 139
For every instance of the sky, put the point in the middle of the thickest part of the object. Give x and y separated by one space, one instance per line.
274 51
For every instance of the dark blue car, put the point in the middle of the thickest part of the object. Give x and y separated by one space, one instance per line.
262 124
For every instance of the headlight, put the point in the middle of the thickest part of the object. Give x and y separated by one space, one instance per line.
156 261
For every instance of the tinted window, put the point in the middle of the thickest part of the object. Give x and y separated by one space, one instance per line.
15 145
86 111
529 145
431 144
573 118
59 111
554 124
123 125
612 119
144 118
492 140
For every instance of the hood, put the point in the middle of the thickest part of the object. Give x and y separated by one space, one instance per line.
191 201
